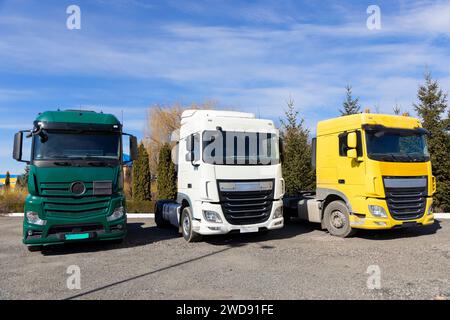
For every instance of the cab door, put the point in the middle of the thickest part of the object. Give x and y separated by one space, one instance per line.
351 171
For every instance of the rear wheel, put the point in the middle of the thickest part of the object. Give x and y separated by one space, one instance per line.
337 219
186 226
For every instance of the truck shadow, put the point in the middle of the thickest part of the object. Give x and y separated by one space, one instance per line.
139 234
290 230
393 234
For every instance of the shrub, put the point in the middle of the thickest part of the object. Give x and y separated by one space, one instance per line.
140 206
12 201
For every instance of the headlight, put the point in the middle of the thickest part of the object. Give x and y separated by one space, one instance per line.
33 218
117 214
212 216
377 211
278 213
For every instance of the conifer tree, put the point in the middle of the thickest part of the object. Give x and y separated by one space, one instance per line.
166 176
141 176
297 169
350 105
430 107
7 180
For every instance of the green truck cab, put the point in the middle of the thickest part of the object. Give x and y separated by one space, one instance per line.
75 183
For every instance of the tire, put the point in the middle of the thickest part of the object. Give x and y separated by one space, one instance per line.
186 226
34 248
159 220
337 219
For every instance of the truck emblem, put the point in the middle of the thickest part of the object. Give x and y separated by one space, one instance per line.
78 188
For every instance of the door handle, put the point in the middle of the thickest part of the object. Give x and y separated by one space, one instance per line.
341 181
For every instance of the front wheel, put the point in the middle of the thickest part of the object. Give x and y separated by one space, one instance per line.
186 226
337 219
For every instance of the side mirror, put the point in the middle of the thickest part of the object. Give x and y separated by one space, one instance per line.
352 140
133 148
351 153
18 141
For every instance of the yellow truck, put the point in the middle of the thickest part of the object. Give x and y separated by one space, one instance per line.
373 172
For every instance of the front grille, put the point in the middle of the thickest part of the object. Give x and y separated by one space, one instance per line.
59 201
406 203
246 207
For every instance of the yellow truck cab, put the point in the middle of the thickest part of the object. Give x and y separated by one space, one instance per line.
373 172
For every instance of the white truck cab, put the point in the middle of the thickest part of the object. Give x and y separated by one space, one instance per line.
229 176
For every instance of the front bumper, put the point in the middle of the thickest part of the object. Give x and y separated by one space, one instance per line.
366 220
97 228
203 227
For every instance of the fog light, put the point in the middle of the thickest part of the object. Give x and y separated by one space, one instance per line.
382 224
377 211
278 213
117 214
119 226
33 218
212 216
30 233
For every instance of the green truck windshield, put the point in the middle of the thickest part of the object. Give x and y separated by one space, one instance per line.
77 146
404 146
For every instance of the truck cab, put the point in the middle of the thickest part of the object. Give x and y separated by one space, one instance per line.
229 176
373 172
75 182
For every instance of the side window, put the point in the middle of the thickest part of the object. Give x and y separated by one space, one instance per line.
343 144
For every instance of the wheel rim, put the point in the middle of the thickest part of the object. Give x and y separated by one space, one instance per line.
338 220
186 225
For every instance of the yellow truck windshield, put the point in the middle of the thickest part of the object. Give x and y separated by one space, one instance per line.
397 145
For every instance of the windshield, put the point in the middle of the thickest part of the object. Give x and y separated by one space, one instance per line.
240 148
59 146
397 146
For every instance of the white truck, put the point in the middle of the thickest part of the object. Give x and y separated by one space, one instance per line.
229 176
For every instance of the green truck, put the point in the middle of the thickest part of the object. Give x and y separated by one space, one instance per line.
75 181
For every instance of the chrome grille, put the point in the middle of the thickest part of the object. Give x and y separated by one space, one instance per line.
246 207
59 201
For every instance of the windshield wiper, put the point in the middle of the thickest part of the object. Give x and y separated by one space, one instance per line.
62 163
100 164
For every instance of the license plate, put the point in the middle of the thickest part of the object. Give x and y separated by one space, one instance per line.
409 224
249 229
77 236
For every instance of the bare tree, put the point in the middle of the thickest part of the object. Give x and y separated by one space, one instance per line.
161 122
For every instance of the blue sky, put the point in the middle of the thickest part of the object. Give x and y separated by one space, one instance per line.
246 55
